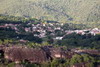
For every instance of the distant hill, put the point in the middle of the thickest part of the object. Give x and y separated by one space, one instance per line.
58 10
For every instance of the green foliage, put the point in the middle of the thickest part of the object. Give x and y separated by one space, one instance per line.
7 33
10 19
87 58
1 42
66 10
45 64
90 64
57 63
76 59
11 64
83 41
5 41
54 63
67 63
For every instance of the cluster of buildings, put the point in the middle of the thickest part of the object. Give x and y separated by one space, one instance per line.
86 31
41 30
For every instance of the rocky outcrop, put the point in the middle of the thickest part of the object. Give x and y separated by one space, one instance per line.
18 54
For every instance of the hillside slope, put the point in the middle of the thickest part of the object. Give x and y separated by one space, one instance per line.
59 10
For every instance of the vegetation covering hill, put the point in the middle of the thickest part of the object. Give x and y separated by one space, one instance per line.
58 10
38 31
23 37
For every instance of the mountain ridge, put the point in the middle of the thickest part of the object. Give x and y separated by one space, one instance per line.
58 10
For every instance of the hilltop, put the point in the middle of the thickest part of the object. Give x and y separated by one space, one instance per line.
58 10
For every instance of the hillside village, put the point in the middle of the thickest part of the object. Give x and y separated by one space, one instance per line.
49 33
48 43
41 30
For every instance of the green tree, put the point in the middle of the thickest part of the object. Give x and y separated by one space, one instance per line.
76 59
